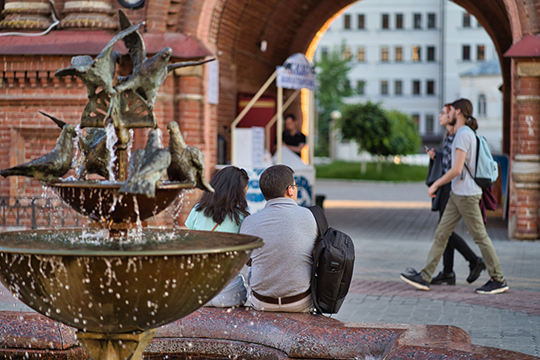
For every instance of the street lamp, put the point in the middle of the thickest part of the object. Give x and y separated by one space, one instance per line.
335 115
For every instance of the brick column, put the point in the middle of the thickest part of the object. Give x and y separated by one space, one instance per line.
526 162
28 15
88 15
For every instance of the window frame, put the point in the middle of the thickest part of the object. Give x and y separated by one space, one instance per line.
417 21
416 87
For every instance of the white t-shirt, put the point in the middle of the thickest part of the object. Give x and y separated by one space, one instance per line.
465 139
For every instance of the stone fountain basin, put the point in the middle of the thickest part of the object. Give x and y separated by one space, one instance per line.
119 287
102 201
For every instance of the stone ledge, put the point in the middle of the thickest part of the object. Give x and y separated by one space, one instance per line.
251 334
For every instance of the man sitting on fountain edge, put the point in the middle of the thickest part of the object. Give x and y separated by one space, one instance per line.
280 273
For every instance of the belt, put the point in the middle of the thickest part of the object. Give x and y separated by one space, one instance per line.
283 300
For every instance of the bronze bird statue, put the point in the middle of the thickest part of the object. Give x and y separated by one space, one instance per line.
101 70
187 162
96 154
52 166
94 148
148 167
148 73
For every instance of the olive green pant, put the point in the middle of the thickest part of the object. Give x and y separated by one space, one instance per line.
468 208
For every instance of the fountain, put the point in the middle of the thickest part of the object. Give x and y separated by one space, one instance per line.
121 285
115 281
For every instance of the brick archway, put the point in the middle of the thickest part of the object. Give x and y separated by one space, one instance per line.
235 27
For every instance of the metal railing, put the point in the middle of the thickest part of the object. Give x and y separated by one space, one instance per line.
34 213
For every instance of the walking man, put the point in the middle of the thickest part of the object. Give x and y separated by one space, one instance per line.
463 203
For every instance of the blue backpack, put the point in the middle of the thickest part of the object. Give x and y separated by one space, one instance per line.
487 169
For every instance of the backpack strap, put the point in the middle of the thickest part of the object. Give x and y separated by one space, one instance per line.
477 154
320 218
322 226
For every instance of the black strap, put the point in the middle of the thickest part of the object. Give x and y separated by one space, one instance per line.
320 218
477 153
322 226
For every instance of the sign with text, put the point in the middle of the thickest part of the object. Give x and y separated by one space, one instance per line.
296 73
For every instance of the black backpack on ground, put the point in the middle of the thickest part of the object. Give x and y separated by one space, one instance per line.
333 264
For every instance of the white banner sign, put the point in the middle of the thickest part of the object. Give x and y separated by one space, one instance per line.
296 73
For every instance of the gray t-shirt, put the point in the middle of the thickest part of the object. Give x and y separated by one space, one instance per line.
282 266
465 139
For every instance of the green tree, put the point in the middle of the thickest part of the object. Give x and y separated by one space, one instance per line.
333 87
378 131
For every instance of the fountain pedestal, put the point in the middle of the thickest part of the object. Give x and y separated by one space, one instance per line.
116 346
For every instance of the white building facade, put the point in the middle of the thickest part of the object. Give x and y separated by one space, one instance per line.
409 56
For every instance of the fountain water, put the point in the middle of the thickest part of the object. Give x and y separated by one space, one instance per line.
115 282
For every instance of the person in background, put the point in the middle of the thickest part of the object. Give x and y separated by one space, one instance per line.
476 264
463 203
224 210
280 274
292 136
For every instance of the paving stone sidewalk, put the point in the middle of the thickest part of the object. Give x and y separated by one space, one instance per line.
392 227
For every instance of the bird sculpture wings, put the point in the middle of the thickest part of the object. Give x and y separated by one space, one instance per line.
101 70
148 73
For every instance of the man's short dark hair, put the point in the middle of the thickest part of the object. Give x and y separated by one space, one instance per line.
290 116
275 180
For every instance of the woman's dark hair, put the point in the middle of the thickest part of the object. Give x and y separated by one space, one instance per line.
229 196
466 109
275 180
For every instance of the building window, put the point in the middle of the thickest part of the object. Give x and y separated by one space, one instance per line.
399 53
385 21
361 54
398 87
416 87
384 54
466 20
384 87
416 119
347 22
360 87
361 24
482 107
416 53
347 55
430 87
431 53
324 52
417 21
347 84
431 21
399 21
480 53
429 123
466 53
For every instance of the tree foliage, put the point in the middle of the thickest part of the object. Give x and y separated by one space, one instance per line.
333 87
378 131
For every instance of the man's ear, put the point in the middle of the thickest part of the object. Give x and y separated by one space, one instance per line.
290 191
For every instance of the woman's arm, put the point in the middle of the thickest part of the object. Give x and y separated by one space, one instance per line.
454 171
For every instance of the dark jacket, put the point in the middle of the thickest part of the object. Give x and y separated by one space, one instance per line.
435 171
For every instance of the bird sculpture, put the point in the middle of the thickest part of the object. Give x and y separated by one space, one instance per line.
52 166
187 162
147 168
94 148
148 73
101 70
96 154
